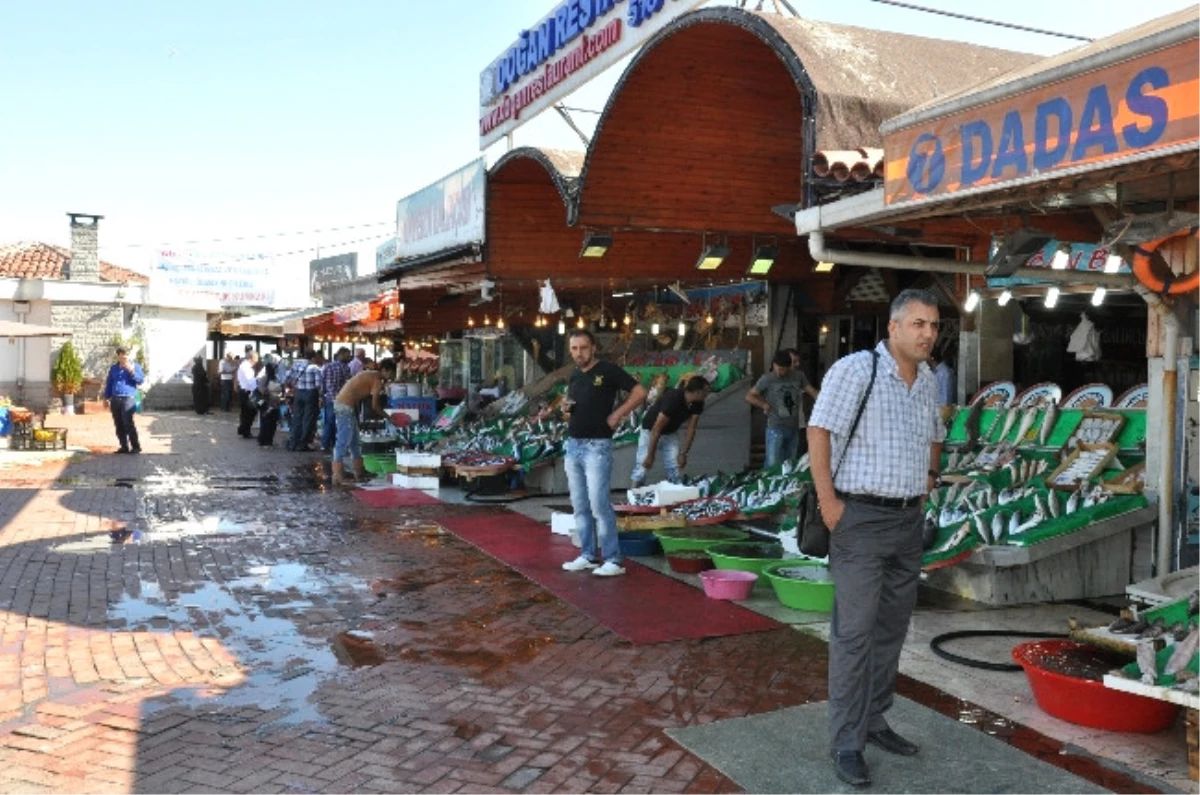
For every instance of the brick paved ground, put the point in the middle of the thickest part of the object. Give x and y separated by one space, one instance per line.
256 632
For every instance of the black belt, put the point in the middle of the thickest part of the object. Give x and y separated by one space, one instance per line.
883 502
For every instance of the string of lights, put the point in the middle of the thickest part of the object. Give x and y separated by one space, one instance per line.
244 238
275 254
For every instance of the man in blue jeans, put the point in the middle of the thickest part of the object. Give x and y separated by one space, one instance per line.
120 394
778 393
334 376
591 397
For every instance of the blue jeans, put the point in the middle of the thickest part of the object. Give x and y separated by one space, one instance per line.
783 444
349 448
328 424
667 452
589 471
304 416
226 393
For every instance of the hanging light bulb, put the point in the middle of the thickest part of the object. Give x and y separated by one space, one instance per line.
1098 296
627 319
1004 298
562 327
972 301
579 322
682 328
1113 263
654 329
708 318
500 322
487 321
614 323
471 322
1051 297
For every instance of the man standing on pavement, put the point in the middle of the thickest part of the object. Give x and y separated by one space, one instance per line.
227 369
660 428
368 383
305 380
247 382
591 395
120 395
358 362
873 512
334 376
778 393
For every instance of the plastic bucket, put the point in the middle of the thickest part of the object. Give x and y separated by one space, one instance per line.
638 543
728 583
800 594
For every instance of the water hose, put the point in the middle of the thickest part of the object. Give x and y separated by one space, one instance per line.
936 646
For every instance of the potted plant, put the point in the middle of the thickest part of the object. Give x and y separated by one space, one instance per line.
67 376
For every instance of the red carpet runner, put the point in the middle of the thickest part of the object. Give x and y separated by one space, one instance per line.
395 498
641 606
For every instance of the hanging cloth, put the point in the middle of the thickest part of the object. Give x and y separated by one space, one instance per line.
1085 341
549 304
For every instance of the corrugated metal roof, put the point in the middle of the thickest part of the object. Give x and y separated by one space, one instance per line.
34 260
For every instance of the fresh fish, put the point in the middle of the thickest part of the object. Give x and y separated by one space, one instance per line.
1048 421
1134 627
1183 653
952 462
956 538
980 528
1155 630
1039 504
1027 419
1006 496
951 515
972 426
951 494
1033 521
1052 504
1010 419
1014 522
1147 661
993 425
935 499
998 527
929 530
989 492
1072 503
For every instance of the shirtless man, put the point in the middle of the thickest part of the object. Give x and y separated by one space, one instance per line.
368 383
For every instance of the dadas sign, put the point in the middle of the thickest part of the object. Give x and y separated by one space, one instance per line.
1093 119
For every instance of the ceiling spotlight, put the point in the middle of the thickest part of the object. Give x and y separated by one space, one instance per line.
654 329
595 245
1051 297
712 257
1004 298
823 267
1098 296
1062 257
764 257
972 301
1113 263
562 327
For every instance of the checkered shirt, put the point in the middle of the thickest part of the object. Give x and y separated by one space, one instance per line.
334 376
889 455
305 375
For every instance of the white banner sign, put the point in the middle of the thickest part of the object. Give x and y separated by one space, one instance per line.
447 214
232 279
576 41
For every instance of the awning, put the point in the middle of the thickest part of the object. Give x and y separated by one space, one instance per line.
270 324
9 328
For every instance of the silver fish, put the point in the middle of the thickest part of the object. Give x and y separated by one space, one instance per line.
1072 503
952 462
1033 521
951 494
981 528
1027 418
1053 504
935 498
1010 419
1014 522
998 524
1184 651
1006 496
1048 421
1039 505
956 538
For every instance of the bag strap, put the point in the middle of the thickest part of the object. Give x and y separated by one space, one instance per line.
861 407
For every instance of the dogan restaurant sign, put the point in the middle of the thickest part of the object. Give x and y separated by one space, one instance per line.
1094 119
445 215
576 41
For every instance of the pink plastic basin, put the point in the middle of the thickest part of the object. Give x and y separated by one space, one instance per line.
728 583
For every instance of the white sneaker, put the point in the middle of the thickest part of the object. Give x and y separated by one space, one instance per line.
580 563
609 569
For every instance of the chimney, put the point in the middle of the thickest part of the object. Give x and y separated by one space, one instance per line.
84 265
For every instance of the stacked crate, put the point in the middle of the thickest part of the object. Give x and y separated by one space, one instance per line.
417 470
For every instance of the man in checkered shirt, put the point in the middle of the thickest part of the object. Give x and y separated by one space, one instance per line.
874 513
305 379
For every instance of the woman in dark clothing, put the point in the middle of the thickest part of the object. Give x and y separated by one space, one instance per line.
268 395
201 396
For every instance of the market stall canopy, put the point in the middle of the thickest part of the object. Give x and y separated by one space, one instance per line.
270 324
9 328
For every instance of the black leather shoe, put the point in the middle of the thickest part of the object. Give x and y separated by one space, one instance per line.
850 767
893 743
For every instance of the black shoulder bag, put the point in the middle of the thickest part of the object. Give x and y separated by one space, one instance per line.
814 535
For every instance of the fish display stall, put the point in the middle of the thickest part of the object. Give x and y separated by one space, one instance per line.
1037 502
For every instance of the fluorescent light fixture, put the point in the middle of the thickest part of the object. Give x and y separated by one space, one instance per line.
712 257
625 294
972 301
682 328
1113 263
1004 298
562 327
1051 297
654 329
764 257
1098 296
823 267
1062 257
595 245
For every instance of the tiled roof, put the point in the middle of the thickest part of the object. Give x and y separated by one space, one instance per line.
33 260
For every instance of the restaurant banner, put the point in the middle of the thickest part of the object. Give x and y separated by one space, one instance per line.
234 280
1112 114
1084 257
445 215
576 41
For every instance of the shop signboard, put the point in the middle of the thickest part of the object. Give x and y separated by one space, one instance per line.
385 255
445 215
1084 257
234 280
331 270
352 313
569 46
1118 113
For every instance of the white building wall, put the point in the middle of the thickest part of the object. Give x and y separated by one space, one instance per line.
173 338
35 351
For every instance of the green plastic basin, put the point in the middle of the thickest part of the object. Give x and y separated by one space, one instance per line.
745 555
678 539
814 595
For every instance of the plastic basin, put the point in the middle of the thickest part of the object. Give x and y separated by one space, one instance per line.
689 561
728 583
638 543
745 555
1086 702
677 539
379 464
796 592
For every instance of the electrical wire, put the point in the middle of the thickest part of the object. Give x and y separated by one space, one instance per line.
275 254
984 21
252 237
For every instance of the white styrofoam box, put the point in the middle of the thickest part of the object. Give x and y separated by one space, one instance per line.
562 523
407 458
423 482
632 494
667 493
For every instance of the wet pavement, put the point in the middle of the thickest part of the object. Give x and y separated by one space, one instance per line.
208 616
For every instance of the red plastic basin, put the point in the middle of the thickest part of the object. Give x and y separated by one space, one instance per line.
728 583
1086 702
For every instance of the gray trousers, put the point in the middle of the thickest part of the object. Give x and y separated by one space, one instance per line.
875 560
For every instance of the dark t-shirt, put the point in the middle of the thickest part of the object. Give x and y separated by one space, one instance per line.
675 406
595 396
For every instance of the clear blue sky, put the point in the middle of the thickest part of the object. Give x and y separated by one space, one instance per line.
189 120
